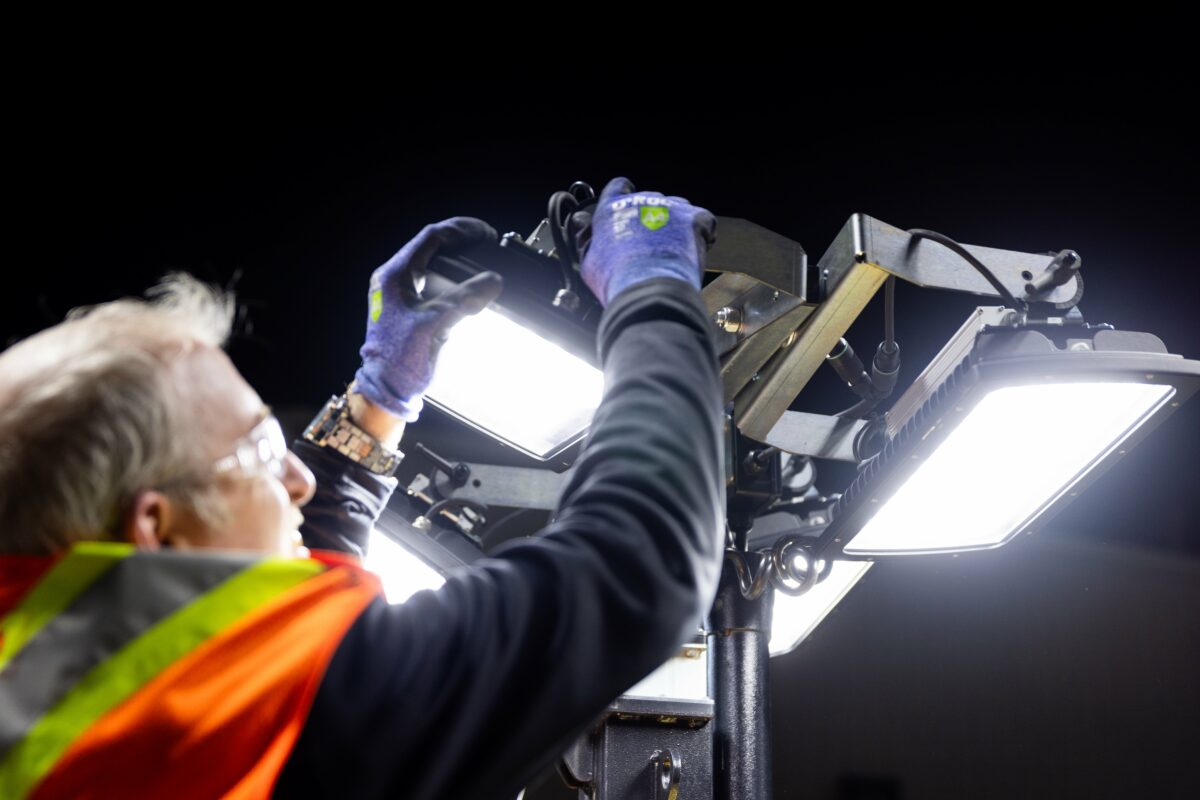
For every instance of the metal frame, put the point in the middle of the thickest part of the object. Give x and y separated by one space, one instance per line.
866 240
864 253
762 403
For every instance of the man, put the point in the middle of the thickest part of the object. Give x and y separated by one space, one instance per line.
142 655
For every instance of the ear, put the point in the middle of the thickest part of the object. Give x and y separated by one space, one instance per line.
147 520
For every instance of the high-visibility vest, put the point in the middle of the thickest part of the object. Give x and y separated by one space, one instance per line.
131 674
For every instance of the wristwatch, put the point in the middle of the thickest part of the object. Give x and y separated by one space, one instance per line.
332 427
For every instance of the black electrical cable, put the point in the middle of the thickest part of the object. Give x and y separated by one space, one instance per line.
582 192
564 246
859 409
962 252
889 311
764 455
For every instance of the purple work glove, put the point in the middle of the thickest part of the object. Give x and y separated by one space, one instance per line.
638 236
405 332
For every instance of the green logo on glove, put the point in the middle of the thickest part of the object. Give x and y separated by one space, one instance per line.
376 304
654 217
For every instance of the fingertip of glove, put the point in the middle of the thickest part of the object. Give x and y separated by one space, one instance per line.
465 229
617 186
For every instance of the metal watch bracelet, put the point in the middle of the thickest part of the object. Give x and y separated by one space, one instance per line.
332 427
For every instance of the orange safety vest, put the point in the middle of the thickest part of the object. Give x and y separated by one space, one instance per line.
134 674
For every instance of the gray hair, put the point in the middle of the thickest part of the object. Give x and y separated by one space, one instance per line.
89 416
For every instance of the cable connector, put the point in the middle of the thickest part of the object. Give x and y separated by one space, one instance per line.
885 368
849 368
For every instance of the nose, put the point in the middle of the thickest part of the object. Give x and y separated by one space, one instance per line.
298 480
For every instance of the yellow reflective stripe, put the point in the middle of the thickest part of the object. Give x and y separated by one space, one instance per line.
61 584
128 670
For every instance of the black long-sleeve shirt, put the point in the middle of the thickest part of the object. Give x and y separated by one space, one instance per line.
470 690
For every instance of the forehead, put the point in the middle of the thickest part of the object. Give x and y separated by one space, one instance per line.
216 397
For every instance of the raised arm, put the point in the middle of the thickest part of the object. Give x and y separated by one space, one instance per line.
469 690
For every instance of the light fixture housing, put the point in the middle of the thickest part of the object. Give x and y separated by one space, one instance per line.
1003 429
524 371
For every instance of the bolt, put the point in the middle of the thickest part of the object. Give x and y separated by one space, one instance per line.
729 319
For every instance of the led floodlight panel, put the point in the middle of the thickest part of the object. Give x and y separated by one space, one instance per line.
520 387
1006 438
794 618
521 371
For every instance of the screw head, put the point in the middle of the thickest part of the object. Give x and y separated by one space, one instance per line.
729 319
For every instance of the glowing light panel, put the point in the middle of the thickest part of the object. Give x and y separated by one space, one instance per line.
402 573
520 386
1015 453
794 618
